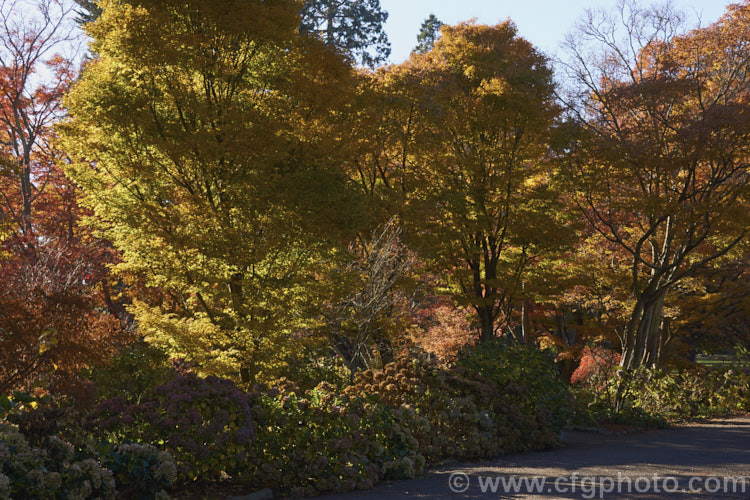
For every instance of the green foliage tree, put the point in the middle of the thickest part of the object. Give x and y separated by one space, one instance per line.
206 150
428 34
353 26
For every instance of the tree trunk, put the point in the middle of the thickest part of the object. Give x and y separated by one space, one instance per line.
641 340
524 321
647 335
643 331
247 375
660 341
330 36
350 352
486 323
26 195
561 320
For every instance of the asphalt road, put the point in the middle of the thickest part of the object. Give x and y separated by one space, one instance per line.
707 460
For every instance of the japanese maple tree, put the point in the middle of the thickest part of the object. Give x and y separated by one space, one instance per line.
658 164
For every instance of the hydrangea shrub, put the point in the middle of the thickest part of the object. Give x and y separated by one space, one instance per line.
207 424
527 375
322 441
457 413
51 471
141 470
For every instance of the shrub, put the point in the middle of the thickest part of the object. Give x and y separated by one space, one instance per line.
132 373
321 441
699 392
456 413
4 487
19 402
51 322
206 424
385 426
50 471
601 412
309 367
597 365
539 390
141 470
652 397
39 422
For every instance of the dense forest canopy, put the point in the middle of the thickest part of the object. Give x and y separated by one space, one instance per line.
247 186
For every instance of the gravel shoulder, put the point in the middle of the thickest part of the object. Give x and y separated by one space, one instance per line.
699 460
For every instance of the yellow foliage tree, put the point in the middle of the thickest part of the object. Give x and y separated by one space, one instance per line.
207 148
463 131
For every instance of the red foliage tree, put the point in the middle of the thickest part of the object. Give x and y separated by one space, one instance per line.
595 362
33 79
444 329
49 327
53 314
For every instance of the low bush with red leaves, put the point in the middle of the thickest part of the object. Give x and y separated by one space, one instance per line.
597 364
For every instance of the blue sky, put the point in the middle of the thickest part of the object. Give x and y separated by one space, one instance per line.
543 22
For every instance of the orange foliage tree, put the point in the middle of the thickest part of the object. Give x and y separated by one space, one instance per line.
659 161
30 101
459 136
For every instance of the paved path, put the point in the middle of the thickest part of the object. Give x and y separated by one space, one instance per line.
691 461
